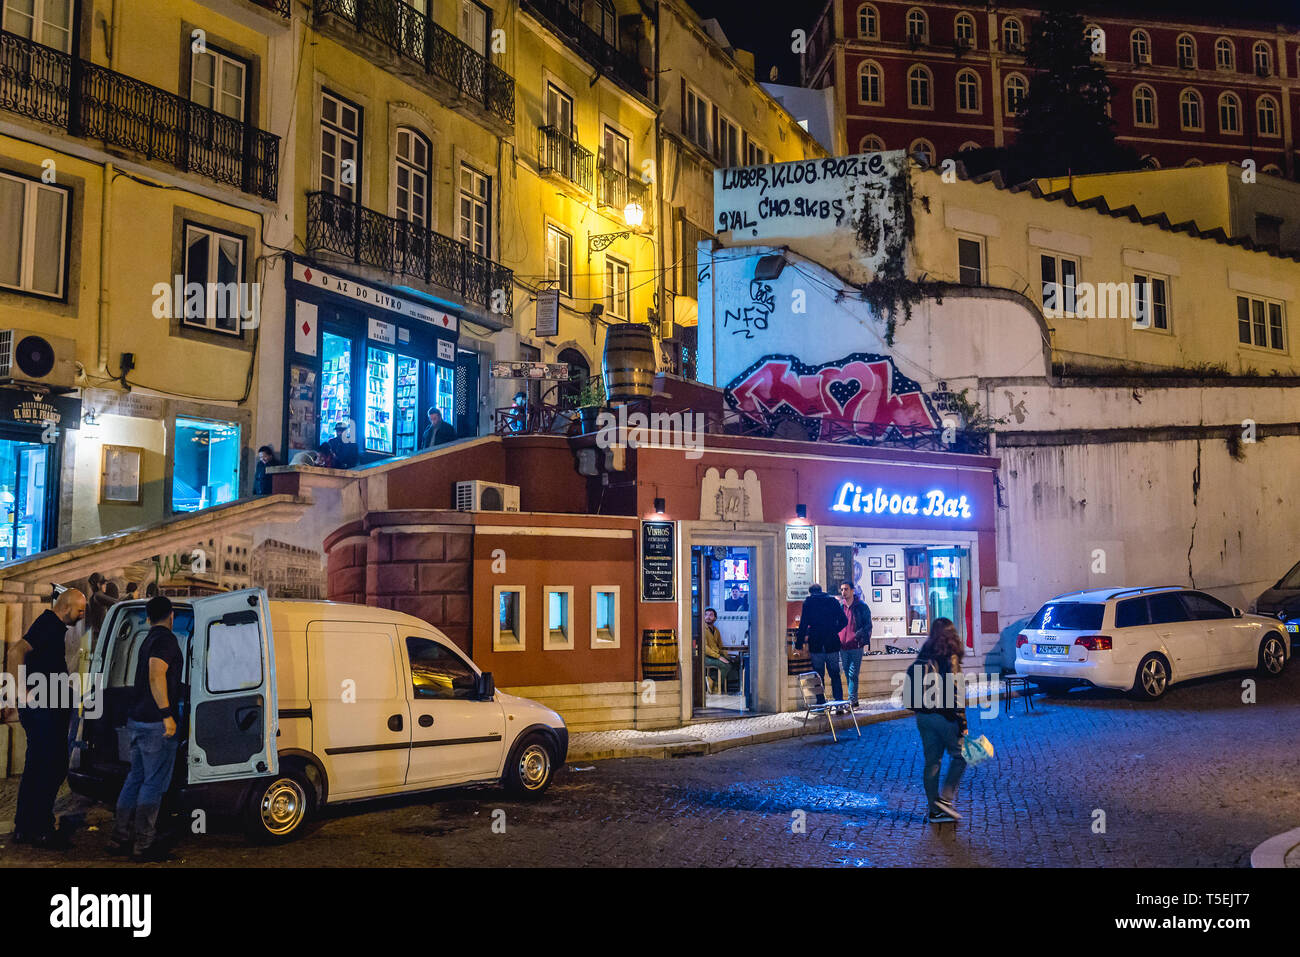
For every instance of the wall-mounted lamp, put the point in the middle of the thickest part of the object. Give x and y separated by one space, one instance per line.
769 267
659 506
633 215
801 510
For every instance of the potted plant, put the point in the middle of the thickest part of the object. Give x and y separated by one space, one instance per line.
591 399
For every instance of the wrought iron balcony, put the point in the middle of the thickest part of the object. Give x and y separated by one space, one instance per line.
282 7
96 103
616 188
403 248
445 57
559 153
596 49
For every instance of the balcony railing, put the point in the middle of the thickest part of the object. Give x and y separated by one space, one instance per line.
94 102
410 33
557 152
282 7
594 47
614 187
338 225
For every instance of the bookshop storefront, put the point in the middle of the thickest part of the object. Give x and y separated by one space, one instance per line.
369 359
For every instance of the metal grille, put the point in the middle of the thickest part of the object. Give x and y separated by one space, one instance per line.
6 351
614 187
594 47
557 152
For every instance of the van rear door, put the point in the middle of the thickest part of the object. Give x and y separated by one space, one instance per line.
233 718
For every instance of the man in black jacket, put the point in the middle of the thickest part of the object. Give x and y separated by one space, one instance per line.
821 622
438 432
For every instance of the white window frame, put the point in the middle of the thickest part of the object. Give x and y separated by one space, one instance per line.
414 173
878 147
1155 116
464 231
929 87
1139 45
1228 63
548 642
728 135
979 93
207 321
1019 41
27 244
1007 106
1266 302
919 16
499 642
1058 273
598 643
880 83
1260 103
1186 39
963 28
979 241
695 101
565 284
869 10
1226 98
1149 325
220 61
40 22
930 151
1183 99
613 267
337 187
1255 58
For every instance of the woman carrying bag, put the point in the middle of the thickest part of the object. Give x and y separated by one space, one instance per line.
937 693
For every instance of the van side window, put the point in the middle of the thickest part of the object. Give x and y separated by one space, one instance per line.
438 672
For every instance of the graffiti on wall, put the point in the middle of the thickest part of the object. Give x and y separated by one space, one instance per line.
860 394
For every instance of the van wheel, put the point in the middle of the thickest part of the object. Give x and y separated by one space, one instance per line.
1272 655
1152 679
531 767
278 809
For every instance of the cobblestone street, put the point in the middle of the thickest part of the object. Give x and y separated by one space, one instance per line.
1197 779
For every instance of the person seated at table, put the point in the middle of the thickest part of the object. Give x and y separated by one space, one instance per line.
714 656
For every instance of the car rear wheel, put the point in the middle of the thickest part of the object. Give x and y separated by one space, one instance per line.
278 809
1272 655
531 766
1152 678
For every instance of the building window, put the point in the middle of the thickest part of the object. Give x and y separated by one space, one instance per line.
1144 105
215 261
1266 116
871 144
475 26
1189 110
559 619
1193 162
968 92
1272 169
970 261
509 621
1263 58
617 273
695 118
728 151
604 616
340 146
47 22
755 155
1229 113
918 88
603 19
1225 54
1096 37
1151 302
475 204
868 22
1060 277
218 81
922 149
1186 52
411 177
1016 88
559 259
918 26
964 30
34 222
870 84
1261 323
1013 36
205 464
1139 43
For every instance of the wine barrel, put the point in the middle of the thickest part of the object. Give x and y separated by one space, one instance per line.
659 654
798 661
629 365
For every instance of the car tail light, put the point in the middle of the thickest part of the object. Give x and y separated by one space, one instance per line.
1094 642
1022 639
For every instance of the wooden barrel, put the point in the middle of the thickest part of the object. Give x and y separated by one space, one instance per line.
798 661
629 365
659 654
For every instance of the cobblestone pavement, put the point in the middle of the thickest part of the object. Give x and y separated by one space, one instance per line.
1198 779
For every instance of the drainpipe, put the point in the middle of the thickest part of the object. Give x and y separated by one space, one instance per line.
105 262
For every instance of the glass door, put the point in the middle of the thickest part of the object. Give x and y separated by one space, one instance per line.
24 469
407 425
949 591
442 391
336 384
380 385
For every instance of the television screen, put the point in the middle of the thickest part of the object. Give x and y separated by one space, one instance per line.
735 570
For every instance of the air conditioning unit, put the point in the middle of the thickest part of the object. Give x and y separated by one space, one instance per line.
478 496
30 359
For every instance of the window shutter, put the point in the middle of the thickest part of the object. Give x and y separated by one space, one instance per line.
714 141
686 125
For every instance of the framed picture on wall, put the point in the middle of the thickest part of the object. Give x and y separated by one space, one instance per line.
120 475
881 579
873 561
890 559
876 596
896 594
899 576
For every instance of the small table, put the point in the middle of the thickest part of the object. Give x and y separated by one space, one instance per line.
740 653
1010 681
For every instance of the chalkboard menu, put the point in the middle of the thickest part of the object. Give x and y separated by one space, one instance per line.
658 562
839 566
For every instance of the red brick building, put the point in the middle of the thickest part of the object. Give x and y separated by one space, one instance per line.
940 77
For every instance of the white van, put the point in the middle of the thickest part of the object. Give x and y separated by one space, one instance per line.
297 704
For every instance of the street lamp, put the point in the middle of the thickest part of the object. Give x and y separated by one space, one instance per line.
633 215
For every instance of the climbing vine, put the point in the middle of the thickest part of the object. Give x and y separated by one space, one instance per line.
890 293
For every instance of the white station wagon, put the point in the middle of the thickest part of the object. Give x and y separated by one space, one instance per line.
1144 639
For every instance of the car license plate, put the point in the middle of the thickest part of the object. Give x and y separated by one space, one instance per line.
1053 649
1293 627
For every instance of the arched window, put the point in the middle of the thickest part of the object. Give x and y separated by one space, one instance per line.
918 25
871 144
1139 44
1015 88
918 88
870 83
1189 110
968 92
1272 169
1193 162
1186 51
923 149
1266 116
1229 113
964 29
1013 35
1263 58
1097 40
1225 54
1144 105
1150 162
411 176
969 145
868 22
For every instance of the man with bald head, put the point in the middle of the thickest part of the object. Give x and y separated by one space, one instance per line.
41 651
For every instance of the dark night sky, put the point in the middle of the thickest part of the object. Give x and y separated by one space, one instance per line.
763 26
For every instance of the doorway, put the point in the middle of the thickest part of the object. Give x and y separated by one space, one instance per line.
722 616
27 485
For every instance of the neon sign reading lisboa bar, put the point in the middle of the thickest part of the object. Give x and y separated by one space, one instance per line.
937 503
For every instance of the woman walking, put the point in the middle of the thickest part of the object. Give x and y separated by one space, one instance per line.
938 696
